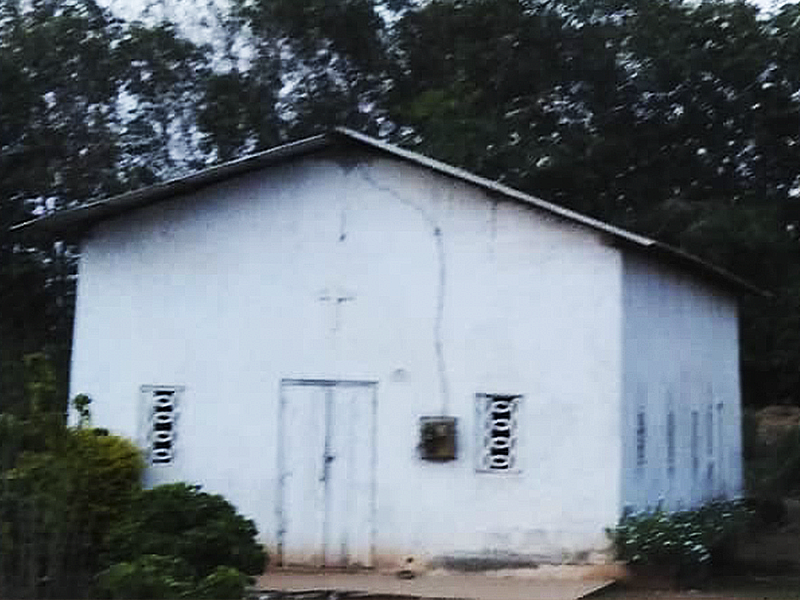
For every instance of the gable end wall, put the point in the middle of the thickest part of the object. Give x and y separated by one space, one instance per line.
445 292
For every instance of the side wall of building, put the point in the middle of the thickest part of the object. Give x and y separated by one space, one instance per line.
682 406
363 268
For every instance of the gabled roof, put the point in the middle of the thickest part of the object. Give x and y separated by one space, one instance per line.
78 219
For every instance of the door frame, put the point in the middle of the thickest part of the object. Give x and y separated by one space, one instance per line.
330 386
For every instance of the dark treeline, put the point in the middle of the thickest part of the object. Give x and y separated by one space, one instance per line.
677 120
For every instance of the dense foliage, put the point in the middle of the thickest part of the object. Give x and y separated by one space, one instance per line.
176 541
159 577
676 119
686 542
61 489
180 521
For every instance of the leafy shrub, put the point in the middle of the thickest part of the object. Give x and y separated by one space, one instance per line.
222 584
687 541
156 577
178 541
149 576
182 521
59 498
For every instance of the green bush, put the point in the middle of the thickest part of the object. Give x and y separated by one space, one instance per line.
156 577
688 542
58 498
224 583
147 577
177 539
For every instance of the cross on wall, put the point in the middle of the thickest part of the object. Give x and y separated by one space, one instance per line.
337 302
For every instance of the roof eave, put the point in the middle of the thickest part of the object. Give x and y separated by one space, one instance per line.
667 254
78 219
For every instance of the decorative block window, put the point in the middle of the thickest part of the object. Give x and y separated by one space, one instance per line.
710 431
720 459
641 441
710 475
497 427
671 444
695 442
161 404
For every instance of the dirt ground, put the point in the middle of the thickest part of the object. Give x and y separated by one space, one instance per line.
733 588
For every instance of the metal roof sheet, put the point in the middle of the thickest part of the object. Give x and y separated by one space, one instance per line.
76 220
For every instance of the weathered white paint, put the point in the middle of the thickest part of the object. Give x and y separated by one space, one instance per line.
681 355
367 268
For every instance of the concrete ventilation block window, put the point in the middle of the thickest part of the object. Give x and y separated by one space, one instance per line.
437 438
498 425
695 442
162 418
641 442
671 444
710 475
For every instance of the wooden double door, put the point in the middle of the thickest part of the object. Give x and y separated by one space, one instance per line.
326 455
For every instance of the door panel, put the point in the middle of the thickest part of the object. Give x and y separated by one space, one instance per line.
303 444
350 486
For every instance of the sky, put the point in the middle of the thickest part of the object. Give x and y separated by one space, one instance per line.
769 4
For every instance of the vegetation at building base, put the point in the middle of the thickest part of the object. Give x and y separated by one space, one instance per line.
177 541
61 489
688 544
75 522
159 577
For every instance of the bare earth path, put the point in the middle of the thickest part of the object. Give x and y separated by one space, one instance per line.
454 586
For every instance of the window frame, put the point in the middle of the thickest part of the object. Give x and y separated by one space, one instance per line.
481 414
147 393
640 440
672 434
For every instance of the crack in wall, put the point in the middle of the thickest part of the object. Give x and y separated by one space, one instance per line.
438 343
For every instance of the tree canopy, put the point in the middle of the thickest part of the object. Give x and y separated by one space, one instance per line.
676 119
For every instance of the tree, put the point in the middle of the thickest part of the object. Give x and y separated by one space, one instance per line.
56 148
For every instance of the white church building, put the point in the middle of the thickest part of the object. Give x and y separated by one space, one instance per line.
377 356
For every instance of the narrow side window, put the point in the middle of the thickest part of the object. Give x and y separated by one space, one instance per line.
671 443
695 444
710 475
497 420
161 404
710 432
641 441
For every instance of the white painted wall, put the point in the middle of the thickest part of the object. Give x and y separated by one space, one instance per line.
681 354
220 292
